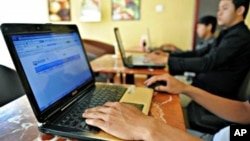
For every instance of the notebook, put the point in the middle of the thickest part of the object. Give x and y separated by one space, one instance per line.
59 82
133 60
154 48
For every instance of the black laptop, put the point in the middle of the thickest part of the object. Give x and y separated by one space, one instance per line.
59 83
134 60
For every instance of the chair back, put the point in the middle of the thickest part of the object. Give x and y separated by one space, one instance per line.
98 48
244 91
10 85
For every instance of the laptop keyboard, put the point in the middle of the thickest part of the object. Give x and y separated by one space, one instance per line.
100 95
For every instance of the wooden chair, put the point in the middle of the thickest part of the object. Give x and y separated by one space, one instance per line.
96 49
244 91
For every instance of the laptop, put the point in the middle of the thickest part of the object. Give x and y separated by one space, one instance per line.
59 82
150 47
133 60
154 48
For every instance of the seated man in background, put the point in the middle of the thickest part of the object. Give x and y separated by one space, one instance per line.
206 27
127 122
220 67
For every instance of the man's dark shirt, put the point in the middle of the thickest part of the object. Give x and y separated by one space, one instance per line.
221 67
205 43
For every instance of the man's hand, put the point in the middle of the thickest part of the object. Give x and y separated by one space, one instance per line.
119 119
173 86
157 57
168 47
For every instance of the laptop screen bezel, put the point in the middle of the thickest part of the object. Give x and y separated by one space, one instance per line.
121 47
14 29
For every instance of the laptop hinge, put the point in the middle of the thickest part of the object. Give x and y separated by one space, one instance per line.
65 107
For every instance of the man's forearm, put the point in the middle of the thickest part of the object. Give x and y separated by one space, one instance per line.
225 108
158 131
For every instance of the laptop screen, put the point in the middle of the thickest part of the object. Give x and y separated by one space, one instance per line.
54 64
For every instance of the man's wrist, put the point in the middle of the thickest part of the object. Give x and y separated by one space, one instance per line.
147 130
188 90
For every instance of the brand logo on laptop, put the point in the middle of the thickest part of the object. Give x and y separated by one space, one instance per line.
74 92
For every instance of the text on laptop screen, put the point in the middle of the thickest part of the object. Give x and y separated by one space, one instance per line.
54 64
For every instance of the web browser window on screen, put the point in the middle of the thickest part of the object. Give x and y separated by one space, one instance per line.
45 57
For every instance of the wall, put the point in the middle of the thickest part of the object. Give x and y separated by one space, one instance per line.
173 25
23 11
210 7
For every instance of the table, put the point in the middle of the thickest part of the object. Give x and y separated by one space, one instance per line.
17 121
112 64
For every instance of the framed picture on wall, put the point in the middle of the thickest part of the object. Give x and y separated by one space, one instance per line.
125 10
59 10
90 11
